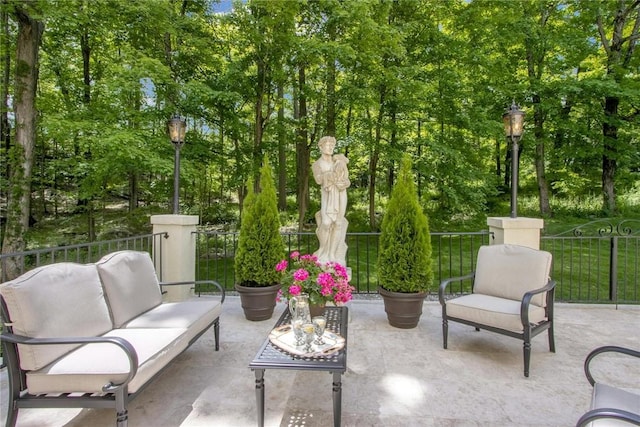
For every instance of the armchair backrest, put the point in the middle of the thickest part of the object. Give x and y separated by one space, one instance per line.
509 271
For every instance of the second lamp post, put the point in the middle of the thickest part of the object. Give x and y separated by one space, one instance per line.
513 120
177 130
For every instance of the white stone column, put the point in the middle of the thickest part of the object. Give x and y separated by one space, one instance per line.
178 256
516 231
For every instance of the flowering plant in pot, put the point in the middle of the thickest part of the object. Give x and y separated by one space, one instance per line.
322 282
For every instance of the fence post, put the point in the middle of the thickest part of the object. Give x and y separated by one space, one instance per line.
178 252
516 231
613 269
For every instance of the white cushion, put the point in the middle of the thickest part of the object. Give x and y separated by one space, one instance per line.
492 311
605 396
57 300
194 315
130 284
90 367
509 271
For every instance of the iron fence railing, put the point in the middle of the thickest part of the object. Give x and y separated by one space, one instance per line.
604 268
589 266
16 263
454 254
597 262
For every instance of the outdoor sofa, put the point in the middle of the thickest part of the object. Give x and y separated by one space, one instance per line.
94 335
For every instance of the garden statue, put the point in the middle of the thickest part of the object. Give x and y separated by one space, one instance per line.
331 173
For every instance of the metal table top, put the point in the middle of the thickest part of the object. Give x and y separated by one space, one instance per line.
272 357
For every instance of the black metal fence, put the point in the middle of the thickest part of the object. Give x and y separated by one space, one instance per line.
454 254
19 262
603 268
596 262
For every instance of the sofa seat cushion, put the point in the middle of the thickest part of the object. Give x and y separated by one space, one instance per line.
193 315
130 284
605 396
492 311
57 300
88 368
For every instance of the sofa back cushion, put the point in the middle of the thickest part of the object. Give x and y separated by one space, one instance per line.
54 301
509 271
130 284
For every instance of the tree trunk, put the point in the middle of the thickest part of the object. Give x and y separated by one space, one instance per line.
609 163
302 151
282 152
21 157
543 185
331 83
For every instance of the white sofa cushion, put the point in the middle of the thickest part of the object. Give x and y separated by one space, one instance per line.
57 300
90 367
493 311
509 271
194 315
130 284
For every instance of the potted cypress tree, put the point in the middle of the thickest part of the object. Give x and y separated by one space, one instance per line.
404 257
260 247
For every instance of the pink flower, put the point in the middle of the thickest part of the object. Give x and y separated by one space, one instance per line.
295 290
294 255
325 279
282 265
301 275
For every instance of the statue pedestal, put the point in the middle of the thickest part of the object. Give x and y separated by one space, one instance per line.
516 231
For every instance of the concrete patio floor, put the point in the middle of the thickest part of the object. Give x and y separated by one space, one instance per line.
395 377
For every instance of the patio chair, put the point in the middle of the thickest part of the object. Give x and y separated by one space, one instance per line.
610 406
511 294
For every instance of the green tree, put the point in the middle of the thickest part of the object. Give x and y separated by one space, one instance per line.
404 256
260 246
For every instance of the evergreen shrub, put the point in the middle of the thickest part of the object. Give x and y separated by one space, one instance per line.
404 257
260 246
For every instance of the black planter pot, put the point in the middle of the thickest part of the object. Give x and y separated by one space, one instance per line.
403 309
258 302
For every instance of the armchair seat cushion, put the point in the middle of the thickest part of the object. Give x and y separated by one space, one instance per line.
605 396
90 367
194 315
493 311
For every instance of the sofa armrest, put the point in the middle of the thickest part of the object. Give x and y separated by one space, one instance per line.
125 345
601 350
447 282
526 300
608 413
197 282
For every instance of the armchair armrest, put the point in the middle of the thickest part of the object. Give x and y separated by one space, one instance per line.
197 282
605 349
526 300
125 345
609 413
447 282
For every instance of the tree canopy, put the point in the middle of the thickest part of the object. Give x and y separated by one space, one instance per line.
430 78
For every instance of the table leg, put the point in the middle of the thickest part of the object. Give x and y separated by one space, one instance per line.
260 396
337 399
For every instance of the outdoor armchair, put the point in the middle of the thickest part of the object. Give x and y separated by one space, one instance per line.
610 406
512 294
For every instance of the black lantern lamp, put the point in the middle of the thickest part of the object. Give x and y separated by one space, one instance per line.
513 120
177 130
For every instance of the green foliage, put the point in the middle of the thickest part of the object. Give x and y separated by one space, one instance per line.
260 246
404 258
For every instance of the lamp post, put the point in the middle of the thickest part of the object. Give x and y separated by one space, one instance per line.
513 120
177 130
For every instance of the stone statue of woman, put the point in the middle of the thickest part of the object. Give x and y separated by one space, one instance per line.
331 173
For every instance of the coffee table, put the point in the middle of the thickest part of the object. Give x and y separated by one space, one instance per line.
271 357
